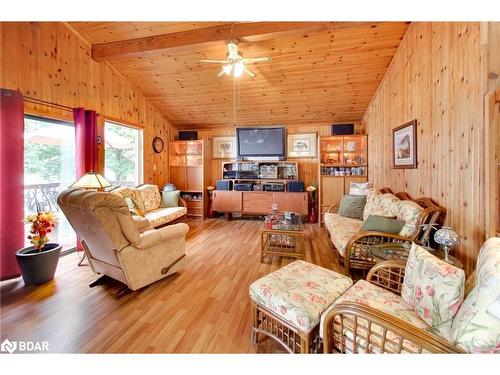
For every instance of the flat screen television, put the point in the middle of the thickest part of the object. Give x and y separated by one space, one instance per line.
265 143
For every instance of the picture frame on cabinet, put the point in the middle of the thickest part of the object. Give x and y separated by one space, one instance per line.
223 147
404 146
302 145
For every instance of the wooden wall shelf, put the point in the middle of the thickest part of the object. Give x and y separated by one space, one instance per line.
343 159
188 171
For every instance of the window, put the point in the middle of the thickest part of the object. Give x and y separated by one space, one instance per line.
123 154
49 168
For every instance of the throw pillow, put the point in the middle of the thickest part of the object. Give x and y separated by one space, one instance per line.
476 328
382 224
433 288
352 206
170 198
133 207
359 188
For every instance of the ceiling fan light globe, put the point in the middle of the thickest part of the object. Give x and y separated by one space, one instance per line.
227 68
239 68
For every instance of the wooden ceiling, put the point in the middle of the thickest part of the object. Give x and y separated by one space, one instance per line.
320 73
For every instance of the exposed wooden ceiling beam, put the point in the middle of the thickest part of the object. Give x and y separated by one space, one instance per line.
255 30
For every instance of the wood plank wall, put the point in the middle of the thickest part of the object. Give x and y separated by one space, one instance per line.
48 61
437 77
308 167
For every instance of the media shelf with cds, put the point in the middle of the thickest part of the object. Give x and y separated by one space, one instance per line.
255 187
260 170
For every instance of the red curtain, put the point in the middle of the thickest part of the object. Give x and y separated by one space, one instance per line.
12 181
86 145
86 141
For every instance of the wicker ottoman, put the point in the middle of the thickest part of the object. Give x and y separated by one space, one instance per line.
287 304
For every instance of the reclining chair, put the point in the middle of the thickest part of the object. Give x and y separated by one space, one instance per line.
113 243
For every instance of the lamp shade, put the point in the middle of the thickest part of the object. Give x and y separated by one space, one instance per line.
92 180
446 237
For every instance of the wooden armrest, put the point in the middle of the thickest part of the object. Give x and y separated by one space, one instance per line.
360 244
387 237
182 203
368 330
388 275
332 207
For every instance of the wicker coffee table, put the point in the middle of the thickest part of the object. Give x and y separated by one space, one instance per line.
283 238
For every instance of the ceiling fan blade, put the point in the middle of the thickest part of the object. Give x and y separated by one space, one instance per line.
215 61
221 73
253 60
250 73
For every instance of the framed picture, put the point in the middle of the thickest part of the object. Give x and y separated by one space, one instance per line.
404 145
302 145
223 147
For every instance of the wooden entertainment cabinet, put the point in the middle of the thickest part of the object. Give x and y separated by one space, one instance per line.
259 202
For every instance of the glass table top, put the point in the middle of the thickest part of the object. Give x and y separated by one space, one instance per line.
279 222
400 251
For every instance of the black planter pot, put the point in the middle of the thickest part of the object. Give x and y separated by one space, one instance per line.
38 267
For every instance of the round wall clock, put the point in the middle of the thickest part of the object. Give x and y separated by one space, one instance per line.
158 144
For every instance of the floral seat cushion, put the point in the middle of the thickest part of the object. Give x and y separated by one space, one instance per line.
341 229
476 327
164 215
299 292
433 288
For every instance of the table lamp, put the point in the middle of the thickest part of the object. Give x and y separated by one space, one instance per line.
446 237
92 180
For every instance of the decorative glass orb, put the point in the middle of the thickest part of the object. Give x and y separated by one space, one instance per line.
169 187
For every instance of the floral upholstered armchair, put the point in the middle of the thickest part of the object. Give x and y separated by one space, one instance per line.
354 245
419 307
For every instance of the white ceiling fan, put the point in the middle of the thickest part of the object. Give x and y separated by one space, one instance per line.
235 64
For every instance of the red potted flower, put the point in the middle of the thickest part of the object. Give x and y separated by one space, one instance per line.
38 262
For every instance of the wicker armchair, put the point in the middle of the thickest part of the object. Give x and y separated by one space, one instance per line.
355 328
358 254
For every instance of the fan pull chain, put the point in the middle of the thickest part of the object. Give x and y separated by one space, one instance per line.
236 99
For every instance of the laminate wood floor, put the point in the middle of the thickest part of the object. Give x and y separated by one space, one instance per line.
203 309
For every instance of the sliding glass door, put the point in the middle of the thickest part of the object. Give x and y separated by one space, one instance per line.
49 168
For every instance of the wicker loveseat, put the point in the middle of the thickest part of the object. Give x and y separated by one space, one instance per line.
372 317
353 245
148 199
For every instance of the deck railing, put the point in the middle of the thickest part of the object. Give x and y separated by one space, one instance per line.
45 195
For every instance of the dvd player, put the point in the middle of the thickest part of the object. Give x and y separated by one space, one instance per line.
242 187
274 186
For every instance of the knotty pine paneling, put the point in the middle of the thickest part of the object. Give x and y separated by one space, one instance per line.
48 61
436 77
